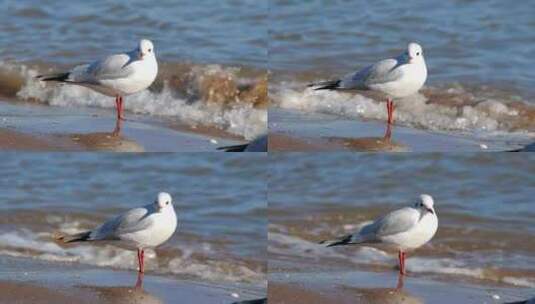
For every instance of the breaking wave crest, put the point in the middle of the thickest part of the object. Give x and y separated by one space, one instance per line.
454 108
231 99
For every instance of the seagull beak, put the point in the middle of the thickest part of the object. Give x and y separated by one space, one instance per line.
140 56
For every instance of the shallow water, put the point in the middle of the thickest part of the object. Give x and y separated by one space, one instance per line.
478 54
220 202
211 73
196 31
485 41
483 203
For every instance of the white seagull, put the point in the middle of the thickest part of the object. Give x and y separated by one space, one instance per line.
396 77
116 75
405 229
140 228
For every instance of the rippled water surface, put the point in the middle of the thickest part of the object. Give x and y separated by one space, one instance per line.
197 31
478 53
211 70
220 202
484 204
478 40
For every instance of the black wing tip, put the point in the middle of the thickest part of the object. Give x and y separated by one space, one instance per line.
79 237
62 77
342 241
327 85
336 244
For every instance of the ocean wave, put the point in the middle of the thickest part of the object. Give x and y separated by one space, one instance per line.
453 108
190 263
231 99
286 245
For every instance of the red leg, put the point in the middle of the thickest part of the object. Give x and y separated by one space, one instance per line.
401 257
117 105
388 132
142 261
403 260
399 261
390 110
120 114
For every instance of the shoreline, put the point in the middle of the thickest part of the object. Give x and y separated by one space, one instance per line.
386 287
68 283
34 127
292 130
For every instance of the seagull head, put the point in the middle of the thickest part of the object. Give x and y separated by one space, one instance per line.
145 48
426 203
414 52
163 201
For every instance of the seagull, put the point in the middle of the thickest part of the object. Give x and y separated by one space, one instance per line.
116 75
139 228
405 229
396 77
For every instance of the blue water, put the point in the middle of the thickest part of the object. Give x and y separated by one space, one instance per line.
495 186
483 202
193 31
219 200
480 41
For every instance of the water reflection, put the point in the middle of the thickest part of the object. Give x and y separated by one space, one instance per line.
386 295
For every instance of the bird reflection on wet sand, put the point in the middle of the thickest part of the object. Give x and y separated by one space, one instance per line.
385 295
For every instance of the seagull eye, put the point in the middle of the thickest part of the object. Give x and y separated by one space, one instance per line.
417 53
150 50
167 203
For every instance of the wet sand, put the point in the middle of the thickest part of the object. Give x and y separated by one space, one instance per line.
31 281
370 287
13 140
279 142
28 126
295 131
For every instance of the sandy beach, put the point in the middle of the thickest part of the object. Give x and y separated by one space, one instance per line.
354 286
30 126
478 254
294 131
189 107
31 281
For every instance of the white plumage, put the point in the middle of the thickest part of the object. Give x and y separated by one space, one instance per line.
396 77
116 75
140 228
404 229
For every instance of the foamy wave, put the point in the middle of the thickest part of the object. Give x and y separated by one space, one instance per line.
287 245
25 243
240 118
492 116
456 267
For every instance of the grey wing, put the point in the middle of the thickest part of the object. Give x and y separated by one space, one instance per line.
131 221
380 72
397 221
383 71
111 67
